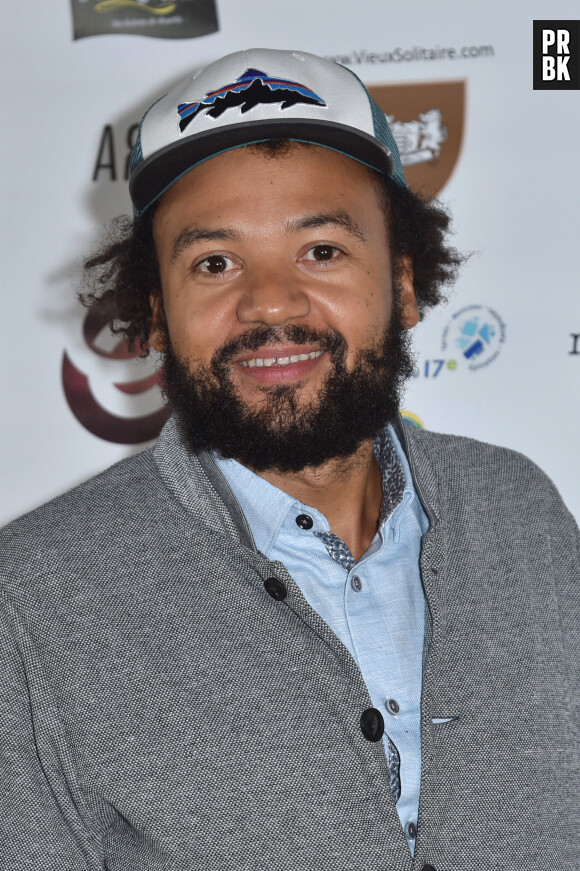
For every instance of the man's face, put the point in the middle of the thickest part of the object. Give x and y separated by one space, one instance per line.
277 281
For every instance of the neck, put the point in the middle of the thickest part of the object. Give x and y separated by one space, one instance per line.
347 491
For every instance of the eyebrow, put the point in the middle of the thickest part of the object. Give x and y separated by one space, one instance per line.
190 235
336 219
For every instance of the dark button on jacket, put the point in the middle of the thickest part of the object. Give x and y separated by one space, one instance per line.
372 724
275 588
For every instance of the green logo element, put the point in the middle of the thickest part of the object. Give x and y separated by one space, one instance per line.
154 9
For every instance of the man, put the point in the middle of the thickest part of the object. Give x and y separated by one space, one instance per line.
296 634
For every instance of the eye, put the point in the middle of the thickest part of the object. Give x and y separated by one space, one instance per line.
215 264
322 252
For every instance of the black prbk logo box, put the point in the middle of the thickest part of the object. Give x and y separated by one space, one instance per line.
556 55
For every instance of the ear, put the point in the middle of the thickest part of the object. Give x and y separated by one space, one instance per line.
158 334
407 298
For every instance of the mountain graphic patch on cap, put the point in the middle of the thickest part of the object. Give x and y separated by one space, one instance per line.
252 88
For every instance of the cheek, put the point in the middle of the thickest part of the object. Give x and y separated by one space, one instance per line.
379 300
197 325
365 319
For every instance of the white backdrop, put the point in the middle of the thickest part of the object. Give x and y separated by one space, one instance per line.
495 363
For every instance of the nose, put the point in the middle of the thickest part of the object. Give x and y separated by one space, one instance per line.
272 296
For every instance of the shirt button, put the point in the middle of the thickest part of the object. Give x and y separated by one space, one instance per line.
304 521
275 588
372 724
411 830
392 706
356 584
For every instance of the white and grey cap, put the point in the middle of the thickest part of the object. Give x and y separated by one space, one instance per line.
253 96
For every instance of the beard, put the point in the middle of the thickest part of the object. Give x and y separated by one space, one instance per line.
282 433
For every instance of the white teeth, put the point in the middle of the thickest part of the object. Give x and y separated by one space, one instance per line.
280 361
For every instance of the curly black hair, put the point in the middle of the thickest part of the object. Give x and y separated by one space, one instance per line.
122 277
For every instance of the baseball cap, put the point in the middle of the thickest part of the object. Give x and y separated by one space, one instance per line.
254 96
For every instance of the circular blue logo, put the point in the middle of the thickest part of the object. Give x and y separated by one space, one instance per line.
475 335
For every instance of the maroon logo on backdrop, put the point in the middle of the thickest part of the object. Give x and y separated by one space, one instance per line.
91 413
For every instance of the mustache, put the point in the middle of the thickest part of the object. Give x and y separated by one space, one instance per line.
296 334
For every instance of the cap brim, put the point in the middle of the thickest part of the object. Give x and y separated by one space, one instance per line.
157 173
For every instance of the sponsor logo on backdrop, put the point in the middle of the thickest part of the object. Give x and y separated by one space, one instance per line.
575 350
556 55
474 335
472 339
164 19
427 120
413 419
111 393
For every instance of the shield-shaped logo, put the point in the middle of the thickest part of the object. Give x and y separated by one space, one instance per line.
427 120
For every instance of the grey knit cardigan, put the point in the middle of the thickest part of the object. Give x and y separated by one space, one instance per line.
160 709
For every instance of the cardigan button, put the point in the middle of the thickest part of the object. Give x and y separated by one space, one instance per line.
428 868
276 589
372 724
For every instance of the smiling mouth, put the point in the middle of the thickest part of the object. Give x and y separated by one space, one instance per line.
280 361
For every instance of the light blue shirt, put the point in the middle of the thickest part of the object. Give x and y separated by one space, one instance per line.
376 606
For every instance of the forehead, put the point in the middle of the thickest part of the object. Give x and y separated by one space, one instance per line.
258 182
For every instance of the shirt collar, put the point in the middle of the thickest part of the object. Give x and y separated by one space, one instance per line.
266 506
393 476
